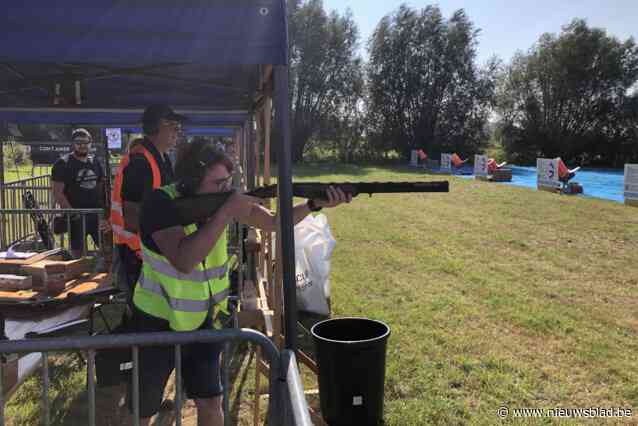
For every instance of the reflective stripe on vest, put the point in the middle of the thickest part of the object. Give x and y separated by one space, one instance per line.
196 275
185 305
120 234
184 299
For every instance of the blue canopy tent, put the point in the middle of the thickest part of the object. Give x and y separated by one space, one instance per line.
101 62
116 117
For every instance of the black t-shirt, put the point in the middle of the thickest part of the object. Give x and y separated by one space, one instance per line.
137 182
158 212
138 176
80 179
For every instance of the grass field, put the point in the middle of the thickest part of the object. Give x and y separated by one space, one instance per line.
496 296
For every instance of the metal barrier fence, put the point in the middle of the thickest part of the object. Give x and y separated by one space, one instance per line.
43 180
14 196
19 224
286 405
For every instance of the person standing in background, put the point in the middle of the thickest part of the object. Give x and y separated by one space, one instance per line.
78 183
145 167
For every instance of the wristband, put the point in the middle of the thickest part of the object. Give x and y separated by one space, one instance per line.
312 206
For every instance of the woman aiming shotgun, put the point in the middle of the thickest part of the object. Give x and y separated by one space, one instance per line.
184 284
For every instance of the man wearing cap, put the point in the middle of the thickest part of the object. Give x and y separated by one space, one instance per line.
78 184
144 168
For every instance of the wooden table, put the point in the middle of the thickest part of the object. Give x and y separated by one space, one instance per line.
32 312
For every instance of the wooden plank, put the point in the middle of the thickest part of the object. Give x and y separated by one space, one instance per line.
82 284
48 273
265 80
267 113
264 367
9 377
307 361
15 282
252 242
268 323
248 296
261 291
12 266
251 319
315 417
257 386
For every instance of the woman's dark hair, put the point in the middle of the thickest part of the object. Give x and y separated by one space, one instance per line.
193 161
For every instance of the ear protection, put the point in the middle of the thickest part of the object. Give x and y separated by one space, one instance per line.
191 180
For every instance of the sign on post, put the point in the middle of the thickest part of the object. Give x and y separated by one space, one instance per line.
480 165
446 162
48 153
547 174
114 138
631 184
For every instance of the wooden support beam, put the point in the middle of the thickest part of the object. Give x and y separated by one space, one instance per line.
315 417
307 361
258 373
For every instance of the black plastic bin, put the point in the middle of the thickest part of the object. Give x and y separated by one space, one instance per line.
351 360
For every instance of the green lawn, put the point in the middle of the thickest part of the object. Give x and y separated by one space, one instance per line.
496 295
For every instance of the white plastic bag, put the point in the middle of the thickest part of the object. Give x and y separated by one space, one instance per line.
313 249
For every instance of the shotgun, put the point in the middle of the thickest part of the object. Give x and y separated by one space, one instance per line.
41 225
197 208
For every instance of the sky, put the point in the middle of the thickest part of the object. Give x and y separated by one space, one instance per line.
506 26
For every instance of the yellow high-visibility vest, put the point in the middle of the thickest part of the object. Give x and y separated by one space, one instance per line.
184 300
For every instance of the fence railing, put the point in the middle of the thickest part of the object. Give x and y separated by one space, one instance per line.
43 180
286 404
20 224
14 196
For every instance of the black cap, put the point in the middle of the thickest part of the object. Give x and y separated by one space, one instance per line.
81 135
154 113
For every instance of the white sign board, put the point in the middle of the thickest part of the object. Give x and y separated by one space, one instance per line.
446 160
114 138
414 158
480 165
631 182
547 173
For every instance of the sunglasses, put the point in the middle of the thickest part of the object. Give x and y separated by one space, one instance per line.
173 125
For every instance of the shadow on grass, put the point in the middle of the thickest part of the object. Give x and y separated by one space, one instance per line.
241 359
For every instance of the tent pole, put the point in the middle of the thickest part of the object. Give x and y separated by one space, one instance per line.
284 163
2 203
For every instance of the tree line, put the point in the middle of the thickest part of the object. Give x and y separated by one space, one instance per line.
572 94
